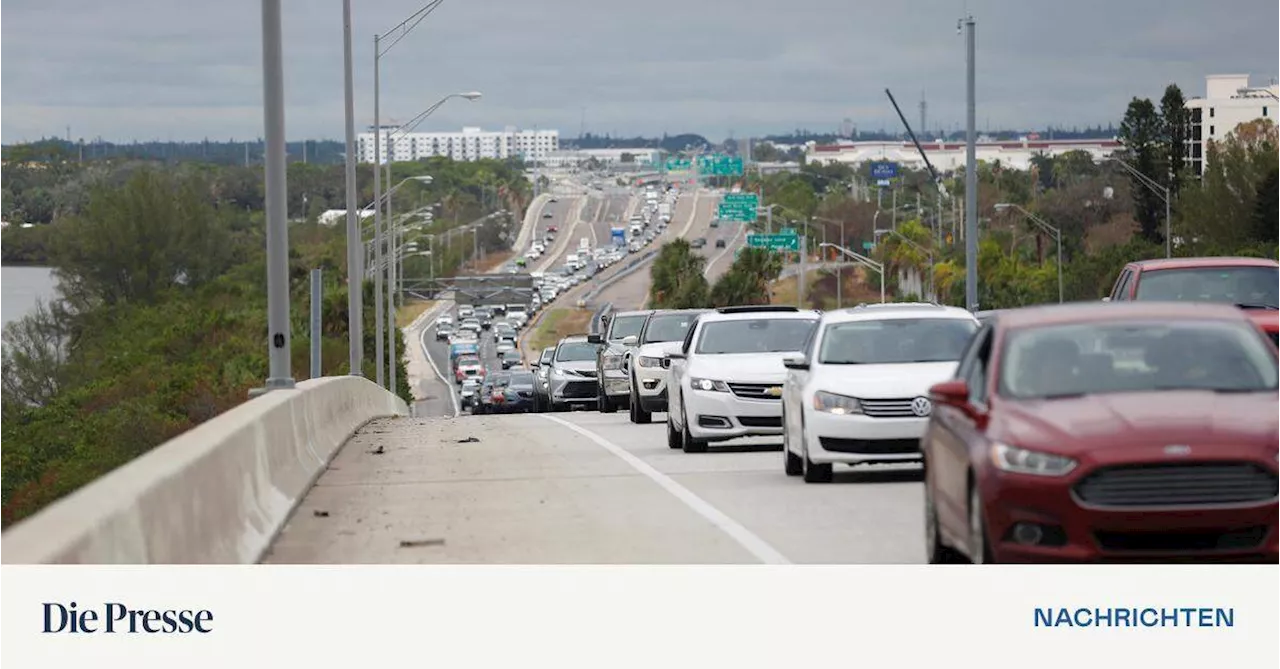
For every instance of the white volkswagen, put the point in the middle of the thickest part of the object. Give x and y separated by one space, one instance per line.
726 380
859 393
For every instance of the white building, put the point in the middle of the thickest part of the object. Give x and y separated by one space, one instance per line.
469 144
950 156
613 157
1228 102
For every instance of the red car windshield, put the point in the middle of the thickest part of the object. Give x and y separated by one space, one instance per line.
1257 287
1124 357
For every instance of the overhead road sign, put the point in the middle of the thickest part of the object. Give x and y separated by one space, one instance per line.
788 231
774 242
720 165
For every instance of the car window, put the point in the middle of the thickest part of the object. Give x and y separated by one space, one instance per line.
895 341
1136 356
667 327
1121 291
1252 286
548 354
522 379
626 326
757 335
575 352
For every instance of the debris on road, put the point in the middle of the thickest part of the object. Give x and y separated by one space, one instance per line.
320 514
419 543
469 440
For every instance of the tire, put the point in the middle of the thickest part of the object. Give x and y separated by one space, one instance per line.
603 403
638 415
813 472
791 463
978 530
675 440
687 442
557 407
936 551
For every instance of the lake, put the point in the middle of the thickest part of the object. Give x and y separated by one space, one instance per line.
22 287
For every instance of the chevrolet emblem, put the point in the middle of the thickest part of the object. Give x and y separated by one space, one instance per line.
775 391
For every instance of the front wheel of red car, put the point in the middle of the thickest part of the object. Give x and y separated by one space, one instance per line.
979 547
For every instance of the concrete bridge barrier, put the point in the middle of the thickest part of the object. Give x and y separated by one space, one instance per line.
217 494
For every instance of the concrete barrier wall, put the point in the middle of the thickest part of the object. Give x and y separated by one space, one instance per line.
217 494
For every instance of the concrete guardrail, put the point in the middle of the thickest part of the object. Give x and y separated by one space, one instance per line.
217 494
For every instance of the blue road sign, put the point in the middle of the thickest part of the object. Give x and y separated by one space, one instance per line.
884 170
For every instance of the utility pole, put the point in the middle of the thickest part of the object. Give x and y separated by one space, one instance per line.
277 195
355 244
377 217
971 174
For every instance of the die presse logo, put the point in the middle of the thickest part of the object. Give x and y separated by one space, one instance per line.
115 618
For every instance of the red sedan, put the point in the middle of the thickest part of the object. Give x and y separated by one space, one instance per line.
1082 433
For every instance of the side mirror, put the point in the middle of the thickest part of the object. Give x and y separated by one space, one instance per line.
796 362
954 393
676 356
630 341
595 339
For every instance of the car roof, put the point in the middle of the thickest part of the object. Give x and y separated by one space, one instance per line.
1102 312
574 339
1189 263
644 312
718 316
896 310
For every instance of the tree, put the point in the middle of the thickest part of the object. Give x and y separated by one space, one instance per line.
1266 209
1177 128
748 279
676 280
1141 133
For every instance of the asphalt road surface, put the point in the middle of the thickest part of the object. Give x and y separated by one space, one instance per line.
589 488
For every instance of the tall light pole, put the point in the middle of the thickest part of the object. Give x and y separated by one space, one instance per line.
1163 192
355 244
1043 225
279 375
908 241
403 28
865 262
970 172
839 265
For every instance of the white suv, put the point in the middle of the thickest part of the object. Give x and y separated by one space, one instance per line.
663 334
859 393
726 380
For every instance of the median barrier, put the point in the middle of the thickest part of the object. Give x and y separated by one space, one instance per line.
217 494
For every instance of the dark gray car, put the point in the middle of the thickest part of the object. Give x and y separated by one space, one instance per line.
613 389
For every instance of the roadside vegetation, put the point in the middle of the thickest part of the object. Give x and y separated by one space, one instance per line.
160 323
558 323
1107 218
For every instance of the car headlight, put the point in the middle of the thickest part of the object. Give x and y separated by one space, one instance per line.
832 403
558 373
612 362
1022 461
649 361
709 385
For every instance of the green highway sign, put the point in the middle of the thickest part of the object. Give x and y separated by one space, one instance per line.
739 207
867 246
744 199
787 231
719 165
774 242
678 164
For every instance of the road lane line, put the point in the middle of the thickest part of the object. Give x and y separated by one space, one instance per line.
753 544
453 396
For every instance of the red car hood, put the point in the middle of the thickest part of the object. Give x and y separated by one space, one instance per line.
1127 421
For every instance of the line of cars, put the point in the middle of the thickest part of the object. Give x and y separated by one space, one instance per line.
1141 430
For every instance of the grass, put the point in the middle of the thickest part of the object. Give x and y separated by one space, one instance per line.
820 290
557 324
410 311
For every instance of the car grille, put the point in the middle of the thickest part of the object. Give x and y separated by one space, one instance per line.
895 408
590 374
870 446
1183 484
754 391
579 390
1183 541
760 421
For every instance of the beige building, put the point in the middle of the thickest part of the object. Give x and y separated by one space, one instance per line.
1228 101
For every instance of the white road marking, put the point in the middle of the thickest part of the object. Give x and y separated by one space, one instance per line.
753 544
453 396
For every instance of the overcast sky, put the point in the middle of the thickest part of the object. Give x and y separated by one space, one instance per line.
185 70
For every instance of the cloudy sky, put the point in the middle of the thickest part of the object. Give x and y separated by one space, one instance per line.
185 70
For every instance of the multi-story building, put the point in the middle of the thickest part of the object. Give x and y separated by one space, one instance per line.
1228 102
469 144
949 156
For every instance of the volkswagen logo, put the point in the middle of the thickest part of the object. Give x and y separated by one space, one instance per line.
1177 449
921 406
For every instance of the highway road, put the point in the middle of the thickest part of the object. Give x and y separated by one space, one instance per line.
585 487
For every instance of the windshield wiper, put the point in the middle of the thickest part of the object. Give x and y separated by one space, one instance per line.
1061 396
844 362
1250 305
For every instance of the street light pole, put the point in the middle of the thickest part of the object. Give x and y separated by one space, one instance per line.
1155 187
355 243
928 254
280 375
865 262
971 174
377 215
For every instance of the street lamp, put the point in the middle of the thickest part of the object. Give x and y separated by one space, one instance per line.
279 375
1044 225
928 254
355 246
839 266
403 28
1158 189
861 260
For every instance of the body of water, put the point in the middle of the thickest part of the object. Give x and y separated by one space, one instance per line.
22 287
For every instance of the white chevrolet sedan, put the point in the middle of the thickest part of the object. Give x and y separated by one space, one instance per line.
860 392
726 380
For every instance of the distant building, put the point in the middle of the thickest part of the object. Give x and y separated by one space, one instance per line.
949 156
334 216
612 157
1228 102
469 144
848 129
